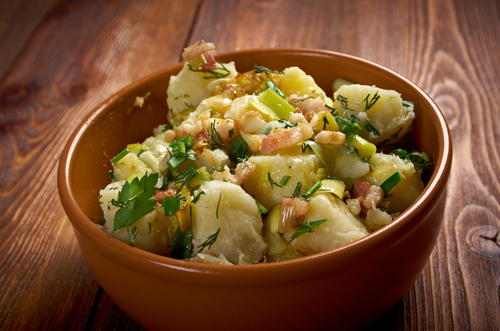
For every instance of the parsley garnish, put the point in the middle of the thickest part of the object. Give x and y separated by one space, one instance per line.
135 200
181 247
167 127
171 205
239 152
181 152
305 227
210 241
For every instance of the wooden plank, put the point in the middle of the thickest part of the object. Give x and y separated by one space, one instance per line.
79 55
18 20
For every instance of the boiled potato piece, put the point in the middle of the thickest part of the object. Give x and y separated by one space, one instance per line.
342 227
127 165
387 115
375 219
296 81
155 232
407 190
228 207
188 89
300 168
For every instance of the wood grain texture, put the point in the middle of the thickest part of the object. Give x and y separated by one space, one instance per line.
18 20
83 51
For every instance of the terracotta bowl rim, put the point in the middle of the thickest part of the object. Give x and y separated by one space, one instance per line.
305 266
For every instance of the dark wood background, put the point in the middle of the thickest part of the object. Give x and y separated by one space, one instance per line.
59 59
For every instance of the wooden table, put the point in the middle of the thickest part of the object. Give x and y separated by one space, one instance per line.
59 59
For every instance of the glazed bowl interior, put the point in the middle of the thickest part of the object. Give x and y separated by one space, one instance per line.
85 165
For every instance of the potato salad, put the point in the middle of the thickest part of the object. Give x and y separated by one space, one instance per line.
262 166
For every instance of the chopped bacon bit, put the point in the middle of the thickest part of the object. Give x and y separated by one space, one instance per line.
360 189
206 50
284 138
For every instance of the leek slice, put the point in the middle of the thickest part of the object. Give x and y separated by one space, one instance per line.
271 105
334 186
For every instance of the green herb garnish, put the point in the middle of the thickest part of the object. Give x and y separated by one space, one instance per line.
305 227
420 159
135 200
370 128
262 209
239 151
210 241
271 181
181 247
197 197
132 236
120 155
213 74
216 139
218 204
267 71
371 102
390 182
284 180
171 205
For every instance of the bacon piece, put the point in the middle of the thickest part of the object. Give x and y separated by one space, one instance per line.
283 138
207 50
360 189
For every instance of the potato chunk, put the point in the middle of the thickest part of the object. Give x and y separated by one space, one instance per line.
188 89
407 190
300 168
228 207
296 81
342 227
155 232
387 115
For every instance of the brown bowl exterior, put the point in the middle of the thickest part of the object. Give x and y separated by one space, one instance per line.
347 288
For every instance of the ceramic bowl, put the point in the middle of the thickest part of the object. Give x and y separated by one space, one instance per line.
346 288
